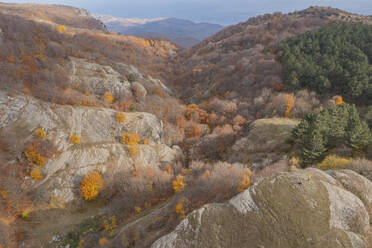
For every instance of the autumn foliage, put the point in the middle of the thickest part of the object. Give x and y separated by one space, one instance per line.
36 174
40 133
33 156
339 100
178 184
120 117
108 97
74 139
245 180
130 138
333 162
90 186
289 105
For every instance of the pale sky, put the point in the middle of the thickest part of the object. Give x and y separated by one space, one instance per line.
224 12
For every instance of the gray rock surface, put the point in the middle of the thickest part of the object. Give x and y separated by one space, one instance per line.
99 79
303 208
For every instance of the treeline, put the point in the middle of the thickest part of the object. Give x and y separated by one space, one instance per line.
335 59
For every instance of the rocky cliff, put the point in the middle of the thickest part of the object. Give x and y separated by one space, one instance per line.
99 132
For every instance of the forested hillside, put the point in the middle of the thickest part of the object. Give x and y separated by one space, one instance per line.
335 59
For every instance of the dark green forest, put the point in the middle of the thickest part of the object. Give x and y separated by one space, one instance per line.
335 59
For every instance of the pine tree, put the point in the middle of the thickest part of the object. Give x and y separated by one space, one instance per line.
358 135
313 149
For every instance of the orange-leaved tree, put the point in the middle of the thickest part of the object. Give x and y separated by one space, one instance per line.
90 186
245 180
178 184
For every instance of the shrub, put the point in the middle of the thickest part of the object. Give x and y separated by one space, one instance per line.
90 186
34 157
133 108
181 207
245 180
108 97
332 162
36 174
25 215
131 78
193 130
130 138
40 133
74 139
61 28
120 117
110 224
178 184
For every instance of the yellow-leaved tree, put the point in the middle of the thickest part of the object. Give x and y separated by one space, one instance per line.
178 184
245 180
61 28
91 185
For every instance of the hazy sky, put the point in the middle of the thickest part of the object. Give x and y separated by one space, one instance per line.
217 11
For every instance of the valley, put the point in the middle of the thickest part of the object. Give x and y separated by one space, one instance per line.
257 136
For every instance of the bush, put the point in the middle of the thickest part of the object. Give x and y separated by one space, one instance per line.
33 156
131 78
40 133
333 162
74 139
133 108
36 174
90 186
108 97
245 180
178 184
130 138
120 117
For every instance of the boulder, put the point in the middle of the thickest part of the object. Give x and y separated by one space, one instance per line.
303 208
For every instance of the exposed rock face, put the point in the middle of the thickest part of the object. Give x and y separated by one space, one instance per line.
266 139
304 208
100 148
99 79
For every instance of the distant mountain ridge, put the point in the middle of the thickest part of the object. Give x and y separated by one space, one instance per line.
182 32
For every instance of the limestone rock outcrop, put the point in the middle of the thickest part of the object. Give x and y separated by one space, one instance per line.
303 208
99 132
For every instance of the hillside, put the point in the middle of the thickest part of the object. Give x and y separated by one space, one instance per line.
181 32
58 14
241 62
109 140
